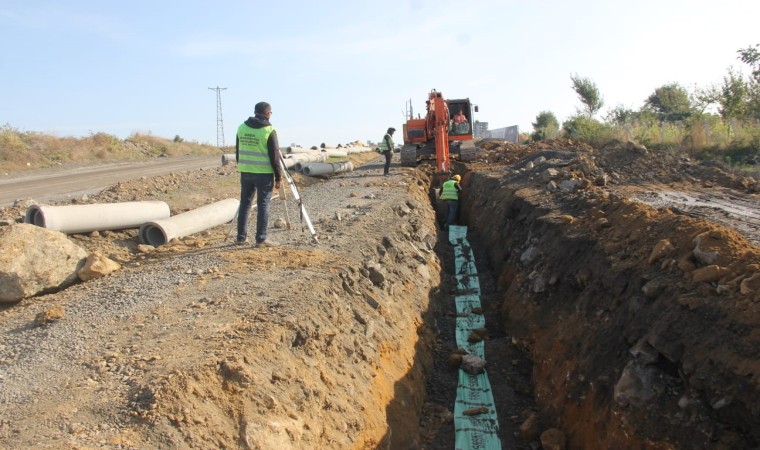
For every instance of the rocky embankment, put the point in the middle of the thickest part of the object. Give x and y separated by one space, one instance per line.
641 322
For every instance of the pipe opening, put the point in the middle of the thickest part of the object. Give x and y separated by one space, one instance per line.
153 235
35 216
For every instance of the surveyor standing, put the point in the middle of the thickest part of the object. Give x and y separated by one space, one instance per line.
258 156
386 148
450 194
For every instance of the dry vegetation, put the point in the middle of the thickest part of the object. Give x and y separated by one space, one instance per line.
25 150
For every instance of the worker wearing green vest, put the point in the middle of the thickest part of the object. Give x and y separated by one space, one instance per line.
386 148
450 194
258 156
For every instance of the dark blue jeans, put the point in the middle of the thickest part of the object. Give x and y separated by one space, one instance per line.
388 155
250 183
451 217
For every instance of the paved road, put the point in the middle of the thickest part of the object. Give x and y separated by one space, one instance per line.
54 184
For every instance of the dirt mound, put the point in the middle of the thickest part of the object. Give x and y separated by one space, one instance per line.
639 320
497 152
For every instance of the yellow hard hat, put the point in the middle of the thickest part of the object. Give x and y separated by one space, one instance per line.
457 177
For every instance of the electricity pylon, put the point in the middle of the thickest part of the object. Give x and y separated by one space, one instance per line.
219 121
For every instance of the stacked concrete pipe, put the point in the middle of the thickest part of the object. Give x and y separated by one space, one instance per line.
314 169
335 152
95 217
303 158
295 149
160 232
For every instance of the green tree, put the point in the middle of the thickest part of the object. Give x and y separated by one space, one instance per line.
545 127
620 116
703 98
733 98
588 94
670 102
751 56
590 131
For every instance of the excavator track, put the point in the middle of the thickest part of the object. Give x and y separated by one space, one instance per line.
468 151
409 155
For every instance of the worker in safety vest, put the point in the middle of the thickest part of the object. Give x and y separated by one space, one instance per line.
257 152
450 194
386 148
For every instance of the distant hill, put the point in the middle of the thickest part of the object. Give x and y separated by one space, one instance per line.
26 150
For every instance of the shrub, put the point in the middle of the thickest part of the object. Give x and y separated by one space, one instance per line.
589 131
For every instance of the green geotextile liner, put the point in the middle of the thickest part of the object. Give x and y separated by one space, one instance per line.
477 432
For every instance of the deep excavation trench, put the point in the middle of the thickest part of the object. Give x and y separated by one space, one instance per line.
616 363
350 349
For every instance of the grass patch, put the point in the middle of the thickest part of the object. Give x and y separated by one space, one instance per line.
25 150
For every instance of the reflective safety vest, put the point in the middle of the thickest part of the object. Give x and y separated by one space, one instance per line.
384 143
253 154
449 191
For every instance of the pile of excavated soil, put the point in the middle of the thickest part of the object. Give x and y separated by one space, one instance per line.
642 322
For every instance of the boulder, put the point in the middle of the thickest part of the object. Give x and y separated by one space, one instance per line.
660 250
637 385
549 174
709 274
34 259
97 266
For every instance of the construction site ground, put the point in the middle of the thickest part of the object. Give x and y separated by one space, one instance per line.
598 327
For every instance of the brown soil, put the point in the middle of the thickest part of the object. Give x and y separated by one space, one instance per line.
300 347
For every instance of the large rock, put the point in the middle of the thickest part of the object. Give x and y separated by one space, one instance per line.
637 385
97 266
34 259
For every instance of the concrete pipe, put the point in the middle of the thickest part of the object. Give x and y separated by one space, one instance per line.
313 169
228 158
160 232
289 161
335 153
293 150
95 217
304 158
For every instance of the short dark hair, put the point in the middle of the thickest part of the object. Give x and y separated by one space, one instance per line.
390 130
262 108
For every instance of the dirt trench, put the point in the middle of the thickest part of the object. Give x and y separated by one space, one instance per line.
630 348
345 345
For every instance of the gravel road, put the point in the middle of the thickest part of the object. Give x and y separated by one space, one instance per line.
56 184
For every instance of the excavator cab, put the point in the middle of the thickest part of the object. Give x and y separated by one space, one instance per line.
444 132
461 118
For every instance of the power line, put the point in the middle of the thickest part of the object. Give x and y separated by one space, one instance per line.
219 121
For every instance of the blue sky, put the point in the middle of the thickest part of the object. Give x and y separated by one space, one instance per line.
336 71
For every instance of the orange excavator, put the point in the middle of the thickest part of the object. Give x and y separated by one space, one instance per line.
439 134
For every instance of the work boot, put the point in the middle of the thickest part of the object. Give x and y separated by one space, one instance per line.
267 243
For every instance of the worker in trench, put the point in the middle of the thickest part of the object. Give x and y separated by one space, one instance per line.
450 194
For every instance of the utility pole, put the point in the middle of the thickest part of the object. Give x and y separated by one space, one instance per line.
219 121
408 112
